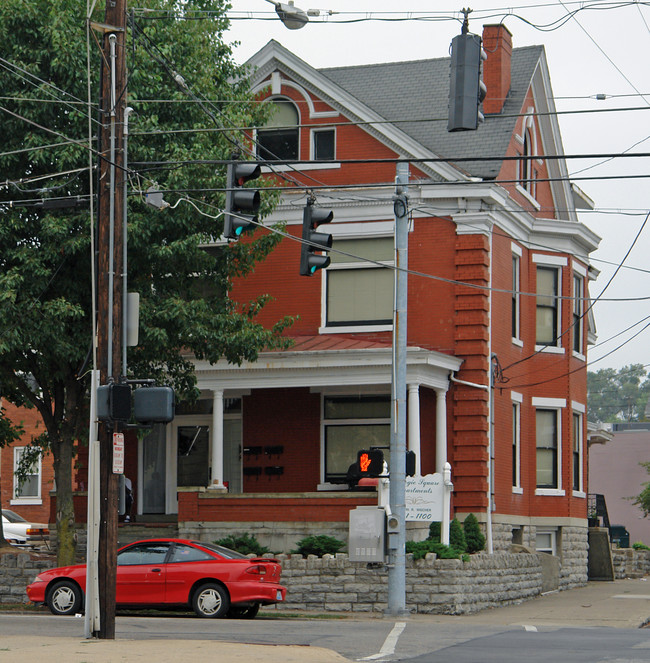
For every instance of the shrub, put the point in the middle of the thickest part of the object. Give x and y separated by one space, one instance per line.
473 536
419 549
639 545
434 531
244 544
457 536
318 545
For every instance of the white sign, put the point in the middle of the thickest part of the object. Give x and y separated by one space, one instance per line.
118 453
424 497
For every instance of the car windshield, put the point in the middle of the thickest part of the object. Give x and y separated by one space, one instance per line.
12 517
220 550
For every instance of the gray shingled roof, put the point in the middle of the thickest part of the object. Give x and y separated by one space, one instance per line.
417 90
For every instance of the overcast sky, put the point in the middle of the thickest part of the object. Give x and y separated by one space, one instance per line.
602 49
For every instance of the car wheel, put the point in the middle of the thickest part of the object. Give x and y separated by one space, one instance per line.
210 600
64 598
244 613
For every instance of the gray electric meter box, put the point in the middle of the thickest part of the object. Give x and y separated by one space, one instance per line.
366 542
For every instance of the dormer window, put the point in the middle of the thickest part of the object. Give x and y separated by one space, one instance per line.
278 140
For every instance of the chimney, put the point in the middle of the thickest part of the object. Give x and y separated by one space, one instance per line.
497 43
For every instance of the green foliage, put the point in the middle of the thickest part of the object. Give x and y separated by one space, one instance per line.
243 543
434 531
419 549
318 545
643 498
618 395
45 254
473 536
457 536
639 545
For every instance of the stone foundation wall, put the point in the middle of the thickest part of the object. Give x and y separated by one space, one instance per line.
573 550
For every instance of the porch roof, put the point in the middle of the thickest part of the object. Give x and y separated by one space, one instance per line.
327 362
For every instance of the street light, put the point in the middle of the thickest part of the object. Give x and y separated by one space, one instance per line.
293 17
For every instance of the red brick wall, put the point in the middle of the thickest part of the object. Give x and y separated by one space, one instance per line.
34 426
289 418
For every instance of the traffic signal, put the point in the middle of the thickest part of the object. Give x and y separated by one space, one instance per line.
466 88
371 463
242 204
312 241
410 464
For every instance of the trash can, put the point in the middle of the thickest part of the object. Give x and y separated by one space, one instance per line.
619 536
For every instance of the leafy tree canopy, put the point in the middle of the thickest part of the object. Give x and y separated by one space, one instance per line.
45 251
618 395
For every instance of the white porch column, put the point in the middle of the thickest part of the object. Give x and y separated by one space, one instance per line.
441 429
414 424
216 478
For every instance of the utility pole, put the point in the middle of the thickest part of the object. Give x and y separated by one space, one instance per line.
397 533
112 181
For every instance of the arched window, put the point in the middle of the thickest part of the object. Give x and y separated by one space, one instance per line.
526 167
278 139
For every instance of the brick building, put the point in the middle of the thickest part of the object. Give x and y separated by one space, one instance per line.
498 328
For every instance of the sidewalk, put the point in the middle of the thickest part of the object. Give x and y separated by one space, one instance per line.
619 604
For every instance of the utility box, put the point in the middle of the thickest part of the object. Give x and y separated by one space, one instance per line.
367 534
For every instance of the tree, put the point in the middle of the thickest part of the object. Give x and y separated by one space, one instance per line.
618 395
46 304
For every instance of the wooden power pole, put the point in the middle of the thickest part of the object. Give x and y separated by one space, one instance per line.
112 180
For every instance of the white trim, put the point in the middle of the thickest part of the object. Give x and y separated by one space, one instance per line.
516 249
526 194
517 341
276 79
578 407
551 261
517 490
516 287
578 356
517 397
555 403
26 499
355 329
579 269
579 493
286 168
551 349
550 492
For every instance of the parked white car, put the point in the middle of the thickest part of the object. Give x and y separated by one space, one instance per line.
21 532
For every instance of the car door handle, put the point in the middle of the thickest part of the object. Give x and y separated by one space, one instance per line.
155 570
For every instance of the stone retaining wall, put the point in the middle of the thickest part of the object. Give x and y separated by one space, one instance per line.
334 584
436 586
630 563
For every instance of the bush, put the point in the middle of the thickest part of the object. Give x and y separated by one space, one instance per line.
318 545
639 545
434 531
244 544
419 549
473 536
457 536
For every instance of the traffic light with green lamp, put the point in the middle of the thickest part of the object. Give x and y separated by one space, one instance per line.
466 88
242 204
314 244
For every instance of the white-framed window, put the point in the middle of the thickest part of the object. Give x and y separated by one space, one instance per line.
517 400
27 491
323 144
548 444
358 290
516 295
546 541
578 311
577 434
548 336
279 139
527 164
548 306
352 424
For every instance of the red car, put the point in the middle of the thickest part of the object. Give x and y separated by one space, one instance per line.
212 580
